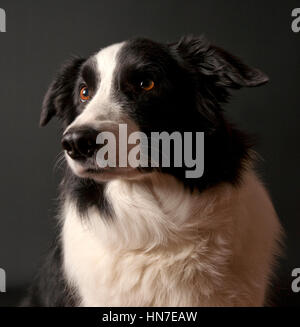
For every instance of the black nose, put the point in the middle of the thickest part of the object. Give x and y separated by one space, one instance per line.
80 143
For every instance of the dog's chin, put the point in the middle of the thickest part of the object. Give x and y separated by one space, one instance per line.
102 174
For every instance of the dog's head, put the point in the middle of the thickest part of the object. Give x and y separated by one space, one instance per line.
148 86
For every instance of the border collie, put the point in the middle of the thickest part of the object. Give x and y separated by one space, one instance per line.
150 236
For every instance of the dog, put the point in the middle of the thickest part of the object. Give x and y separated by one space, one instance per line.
135 236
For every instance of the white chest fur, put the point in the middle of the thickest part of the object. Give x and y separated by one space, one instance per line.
168 247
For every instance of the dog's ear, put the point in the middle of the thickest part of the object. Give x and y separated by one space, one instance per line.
220 66
59 96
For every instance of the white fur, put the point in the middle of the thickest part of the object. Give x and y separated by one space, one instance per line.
103 112
169 247
102 109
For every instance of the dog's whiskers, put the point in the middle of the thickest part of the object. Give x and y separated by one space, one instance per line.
59 161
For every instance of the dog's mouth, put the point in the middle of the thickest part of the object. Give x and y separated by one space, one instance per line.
90 169
99 171
94 171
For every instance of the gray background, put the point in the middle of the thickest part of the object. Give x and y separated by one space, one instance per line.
42 34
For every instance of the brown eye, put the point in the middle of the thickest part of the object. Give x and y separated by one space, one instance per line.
147 84
84 94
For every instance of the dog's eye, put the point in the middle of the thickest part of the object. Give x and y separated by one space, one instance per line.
147 84
84 94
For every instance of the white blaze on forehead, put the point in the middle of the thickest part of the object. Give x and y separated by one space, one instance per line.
106 61
102 107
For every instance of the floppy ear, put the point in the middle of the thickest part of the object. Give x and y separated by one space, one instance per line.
224 69
59 96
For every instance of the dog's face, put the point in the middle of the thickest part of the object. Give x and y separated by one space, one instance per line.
148 86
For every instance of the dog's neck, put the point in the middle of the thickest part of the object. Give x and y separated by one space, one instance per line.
152 212
156 223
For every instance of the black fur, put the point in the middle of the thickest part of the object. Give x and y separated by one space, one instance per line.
58 100
192 82
85 193
50 287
